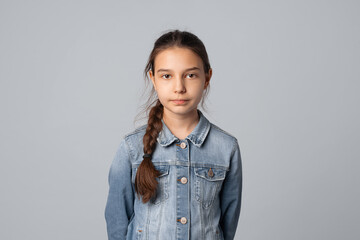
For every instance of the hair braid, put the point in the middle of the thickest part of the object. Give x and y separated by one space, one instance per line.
145 180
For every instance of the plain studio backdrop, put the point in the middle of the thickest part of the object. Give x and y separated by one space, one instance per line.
285 83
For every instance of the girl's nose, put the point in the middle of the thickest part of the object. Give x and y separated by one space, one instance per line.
179 85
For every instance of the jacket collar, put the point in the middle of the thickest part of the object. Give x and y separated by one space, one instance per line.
197 136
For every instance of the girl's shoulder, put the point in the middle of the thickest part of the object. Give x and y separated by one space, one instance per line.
134 142
135 137
138 131
220 132
134 134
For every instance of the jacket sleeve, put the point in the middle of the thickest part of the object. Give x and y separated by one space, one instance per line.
230 195
120 201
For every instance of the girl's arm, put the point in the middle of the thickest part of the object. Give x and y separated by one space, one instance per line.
230 195
119 207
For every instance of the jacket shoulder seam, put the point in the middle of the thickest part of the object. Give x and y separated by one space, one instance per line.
223 131
128 141
125 139
234 148
137 130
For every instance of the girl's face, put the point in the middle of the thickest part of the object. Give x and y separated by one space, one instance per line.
179 75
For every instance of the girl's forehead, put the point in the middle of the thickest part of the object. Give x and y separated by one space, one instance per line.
176 57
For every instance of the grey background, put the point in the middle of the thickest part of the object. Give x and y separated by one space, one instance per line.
285 83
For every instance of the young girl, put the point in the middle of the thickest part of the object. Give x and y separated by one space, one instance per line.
179 176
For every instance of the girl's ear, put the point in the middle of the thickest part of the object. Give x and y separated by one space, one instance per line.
207 78
152 77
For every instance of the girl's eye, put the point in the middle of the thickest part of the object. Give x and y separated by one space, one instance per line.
192 75
166 76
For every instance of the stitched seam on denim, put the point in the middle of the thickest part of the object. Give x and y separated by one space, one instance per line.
231 158
202 221
176 205
234 148
147 223
129 152
189 203
211 217
160 220
182 163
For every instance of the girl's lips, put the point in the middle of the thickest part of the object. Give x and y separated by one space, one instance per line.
179 101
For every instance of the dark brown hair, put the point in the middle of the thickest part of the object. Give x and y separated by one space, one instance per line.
145 180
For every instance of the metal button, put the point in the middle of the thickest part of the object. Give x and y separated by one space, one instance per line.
183 145
210 173
183 180
183 220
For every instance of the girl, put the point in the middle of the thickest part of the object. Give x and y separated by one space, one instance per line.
178 177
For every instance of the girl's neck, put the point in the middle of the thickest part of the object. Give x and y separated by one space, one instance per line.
181 125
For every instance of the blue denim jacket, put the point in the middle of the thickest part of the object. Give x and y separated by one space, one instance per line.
199 191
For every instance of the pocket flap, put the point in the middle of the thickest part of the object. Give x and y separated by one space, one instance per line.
210 174
164 169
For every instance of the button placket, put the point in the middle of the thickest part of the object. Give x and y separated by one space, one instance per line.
182 149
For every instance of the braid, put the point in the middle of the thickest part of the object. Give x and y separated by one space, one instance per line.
145 180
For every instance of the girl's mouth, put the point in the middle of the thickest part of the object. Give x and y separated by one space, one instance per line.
179 101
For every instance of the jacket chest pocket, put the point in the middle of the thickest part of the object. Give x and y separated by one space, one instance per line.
162 191
208 183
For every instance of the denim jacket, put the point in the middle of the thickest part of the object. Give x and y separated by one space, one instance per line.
199 192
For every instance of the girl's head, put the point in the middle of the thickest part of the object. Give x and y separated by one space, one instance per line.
179 69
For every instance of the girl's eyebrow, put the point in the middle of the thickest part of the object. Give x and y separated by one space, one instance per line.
168 70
